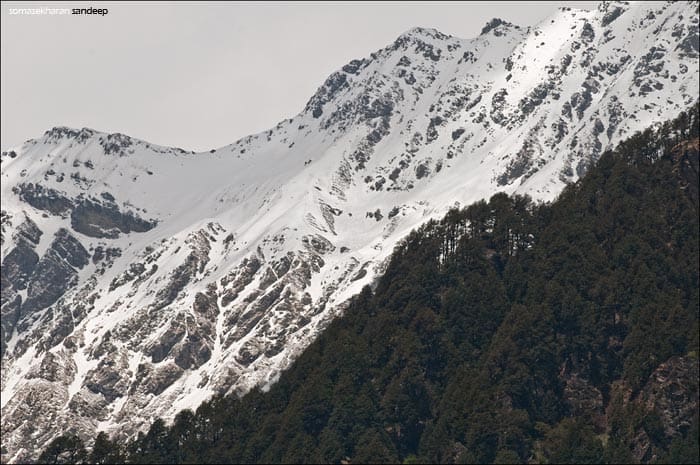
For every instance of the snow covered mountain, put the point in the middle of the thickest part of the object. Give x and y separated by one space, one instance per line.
137 280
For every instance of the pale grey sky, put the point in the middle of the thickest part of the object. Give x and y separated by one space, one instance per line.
200 75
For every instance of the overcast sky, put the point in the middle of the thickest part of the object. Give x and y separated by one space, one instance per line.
202 75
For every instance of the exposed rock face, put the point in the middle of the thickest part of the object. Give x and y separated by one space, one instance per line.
17 267
672 392
103 219
89 216
21 261
55 272
43 198
138 280
45 279
671 396
108 377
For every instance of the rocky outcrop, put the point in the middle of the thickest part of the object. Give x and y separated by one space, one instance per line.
103 219
20 262
663 409
110 378
45 280
116 144
493 25
89 216
42 198
54 273
672 393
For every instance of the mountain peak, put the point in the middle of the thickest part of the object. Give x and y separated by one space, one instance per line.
497 25
422 33
606 5
611 10
58 133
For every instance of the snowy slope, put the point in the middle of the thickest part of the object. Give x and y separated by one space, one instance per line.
138 280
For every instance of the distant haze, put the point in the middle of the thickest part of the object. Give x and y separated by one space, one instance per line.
202 75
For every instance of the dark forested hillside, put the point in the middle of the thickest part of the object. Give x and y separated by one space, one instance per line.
507 332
